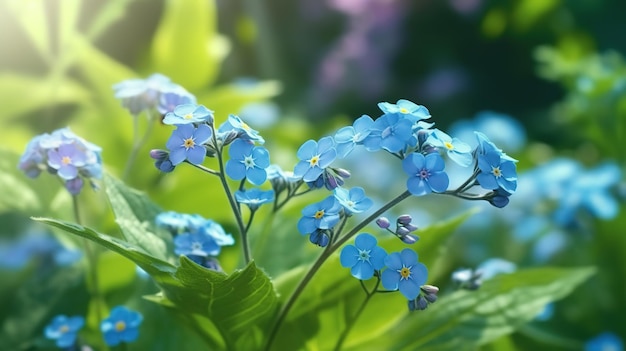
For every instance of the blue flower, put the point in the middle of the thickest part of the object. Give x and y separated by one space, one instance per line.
405 108
46 249
243 130
320 215
189 113
496 172
606 341
67 159
353 200
122 325
347 137
405 273
391 132
177 223
196 244
364 257
458 151
314 158
247 161
174 97
138 95
254 197
494 266
425 174
64 330
319 237
185 143
216 231
162 160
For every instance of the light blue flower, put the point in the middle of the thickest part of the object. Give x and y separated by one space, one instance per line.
185 143
243 130
390 132
177 223
216 231
247 161
606 341
425 174
458 151
169 99
314 158
122 325
496 172
404 273
199 243
494 266
67 159
64 330
139 95
364 257
188 114
405 108
348 137
353 200
320 215
255 197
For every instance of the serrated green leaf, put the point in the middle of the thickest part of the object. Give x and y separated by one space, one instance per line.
473 318
135 214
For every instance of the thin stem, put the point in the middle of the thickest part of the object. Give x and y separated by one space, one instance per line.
202 168
233 204
320 261
137 143
466 185
92 261
356 316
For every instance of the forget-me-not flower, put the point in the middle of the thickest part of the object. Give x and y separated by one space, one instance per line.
390 132
606 341
198 243
243 130
314 158
122 325
247 161
171 98
64 330
364 257
186 141
458 151
404 273
425 174
350 136
496 172
255 197
353 200
189 113
320 215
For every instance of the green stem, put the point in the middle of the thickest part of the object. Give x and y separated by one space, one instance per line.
137 143
346 331
231 200
92 261
320 261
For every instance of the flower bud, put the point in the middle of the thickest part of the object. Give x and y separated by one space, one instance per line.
383 222
343 173
404 219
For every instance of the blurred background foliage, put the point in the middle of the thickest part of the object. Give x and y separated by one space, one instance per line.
300 69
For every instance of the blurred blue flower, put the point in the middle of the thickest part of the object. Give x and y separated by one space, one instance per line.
162 160
546 313
320 215
390 132
405 273
458 151
188 114
314 157
169 99
425 174
243 130
139 95
348 137
216 231
494 266
177 223
199 243
185 143
353 200
500 128
253 198
34 245
261 114
64 330
606 341
122 325
364 257
548 245
247 161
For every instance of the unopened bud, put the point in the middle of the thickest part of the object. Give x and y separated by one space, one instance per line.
404 219
383 222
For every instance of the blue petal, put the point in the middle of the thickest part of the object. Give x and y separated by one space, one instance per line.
409 288
235 169
377 257
408 164
365 241
112 338
130 334
196 154
306 225
390 279
348 256
202 134
393 261
408 257
256 176
307 150
487 181
438 182
462 159
177 155
362 270
417 186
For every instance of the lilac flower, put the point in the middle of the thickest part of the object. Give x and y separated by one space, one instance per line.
253 198
353 200
314 158
189 113
174 97
391 132
185 143
348 137
162 160
320 215
425 173
405 273
458 151
64 330
122 325
241 128
496 172
364 257
66 160
247 161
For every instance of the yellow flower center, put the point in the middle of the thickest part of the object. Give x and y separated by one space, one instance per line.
403 110
314 160
120 326
189 143
448 145
405 272
245 126
319 214
66 160
496 172
64 329
188 116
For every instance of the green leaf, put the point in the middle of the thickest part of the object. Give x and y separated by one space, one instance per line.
189 54
230 98
468 319
135 214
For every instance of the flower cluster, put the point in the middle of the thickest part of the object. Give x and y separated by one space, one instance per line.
156 92
199 239
66 155
122 325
